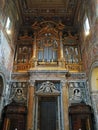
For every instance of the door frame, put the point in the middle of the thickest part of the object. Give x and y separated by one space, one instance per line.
37 111
48 89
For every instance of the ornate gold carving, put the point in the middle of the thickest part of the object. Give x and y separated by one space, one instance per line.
22 66
74 67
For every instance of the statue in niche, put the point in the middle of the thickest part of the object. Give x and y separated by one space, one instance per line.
18 96
76 96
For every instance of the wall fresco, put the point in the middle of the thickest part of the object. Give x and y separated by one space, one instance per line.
90 43
6 58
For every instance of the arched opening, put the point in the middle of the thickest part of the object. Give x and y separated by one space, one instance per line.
1 86
1 99
94 79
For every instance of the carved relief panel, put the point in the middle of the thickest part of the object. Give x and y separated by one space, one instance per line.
78 92
48 88
19 92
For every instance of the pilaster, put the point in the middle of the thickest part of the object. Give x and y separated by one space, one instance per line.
65 104
30 106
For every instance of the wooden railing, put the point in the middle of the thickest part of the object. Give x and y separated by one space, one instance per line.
75 67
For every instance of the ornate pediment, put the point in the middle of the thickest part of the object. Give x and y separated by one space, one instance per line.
47 88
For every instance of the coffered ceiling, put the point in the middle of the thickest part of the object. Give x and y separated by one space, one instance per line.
56 10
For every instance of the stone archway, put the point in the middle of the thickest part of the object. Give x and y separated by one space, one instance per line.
93 80
1 86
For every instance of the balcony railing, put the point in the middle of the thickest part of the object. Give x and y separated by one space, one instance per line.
74 67
22 66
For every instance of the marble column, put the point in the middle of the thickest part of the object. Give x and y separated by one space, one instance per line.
30 106
34 46
61 46
34 57
65 105
61 56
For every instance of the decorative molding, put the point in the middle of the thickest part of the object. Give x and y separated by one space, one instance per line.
31 83
47 88
63 82
77 76
20 76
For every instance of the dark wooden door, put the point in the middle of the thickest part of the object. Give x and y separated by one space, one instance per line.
81 117
14 117
48 114
18 123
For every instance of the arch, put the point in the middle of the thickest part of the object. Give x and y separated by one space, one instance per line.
2 87
94 79
93 76
93 82
2 84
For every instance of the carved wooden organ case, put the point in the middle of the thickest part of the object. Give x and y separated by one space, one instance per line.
48 45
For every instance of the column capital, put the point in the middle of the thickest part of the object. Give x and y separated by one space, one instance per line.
32 83
64 83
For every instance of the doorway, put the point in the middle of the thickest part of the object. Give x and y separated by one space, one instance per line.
81 117
14 117
47 113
